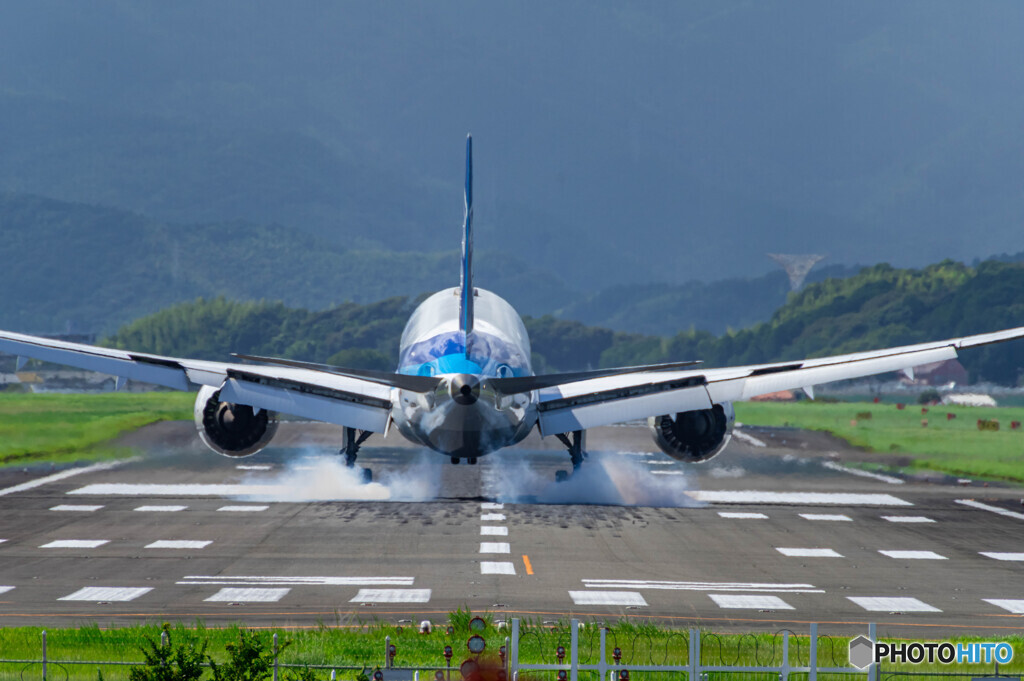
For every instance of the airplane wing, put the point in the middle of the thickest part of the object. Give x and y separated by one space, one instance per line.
345 400
625 397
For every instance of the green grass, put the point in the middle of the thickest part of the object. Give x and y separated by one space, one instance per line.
359 646
60 428
956 447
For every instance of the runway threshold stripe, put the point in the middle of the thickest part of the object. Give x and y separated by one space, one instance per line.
892 604
913 555
1016 606
497 568
285 580
1003 556
831 517
992 509
495 547
243 509
161 509
392 596
750 602
907 519
75 544
248 595
73 507
178 544
796 498
492 531
809 553
5 589
701 586
491 506
39 482
176 490
741 515
625 598
107 593
492 517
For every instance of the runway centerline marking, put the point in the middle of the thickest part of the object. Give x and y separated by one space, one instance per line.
497 568
248 595
492 531
913 555
809 553
907 519
243 509
630 598
495 547
74 507
392 596
834 517
75 544
701 586
527 564
178 544
992 509
742 515
283 580
796 498
161 509
1016 606
887 604
492 517
107 593
750 602
39 482
1003 556
491 506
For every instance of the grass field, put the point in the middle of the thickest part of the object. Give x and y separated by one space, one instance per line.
59 428
363 647
953 446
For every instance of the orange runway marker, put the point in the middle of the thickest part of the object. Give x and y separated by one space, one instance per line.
526 562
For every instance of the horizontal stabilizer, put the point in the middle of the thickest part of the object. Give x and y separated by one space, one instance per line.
524 384
418 384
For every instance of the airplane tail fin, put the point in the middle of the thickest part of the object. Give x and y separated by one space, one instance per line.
466 283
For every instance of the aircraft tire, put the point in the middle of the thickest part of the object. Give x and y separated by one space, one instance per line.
561 476
367 476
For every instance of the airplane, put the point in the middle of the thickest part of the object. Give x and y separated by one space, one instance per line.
464 386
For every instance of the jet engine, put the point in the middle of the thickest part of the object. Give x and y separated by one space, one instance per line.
232 429
694 436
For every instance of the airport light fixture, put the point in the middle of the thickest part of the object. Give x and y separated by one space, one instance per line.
476 644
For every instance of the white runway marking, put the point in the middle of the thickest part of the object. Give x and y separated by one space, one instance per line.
492 517
254 467
5 589
749 439
392 596
107 593
832 465
668 473
75 544
2 541
913 555
243 509
495 547
161 509
491 506
178 544
1003 556
809 553
629 598
883 604
750 602
72 507
701 586
837 517
494 531
123 489
808 498
993 509
501 568
248 595
659 462
742 515
907 519
39 482
1016 606
282 580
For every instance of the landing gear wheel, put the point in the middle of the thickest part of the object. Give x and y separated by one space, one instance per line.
455 461
472 460
561 476
367 476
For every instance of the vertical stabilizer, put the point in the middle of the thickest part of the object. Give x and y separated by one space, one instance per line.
466 284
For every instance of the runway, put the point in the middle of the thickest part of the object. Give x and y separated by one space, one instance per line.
774 533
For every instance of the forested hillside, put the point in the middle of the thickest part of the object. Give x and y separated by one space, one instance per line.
881 306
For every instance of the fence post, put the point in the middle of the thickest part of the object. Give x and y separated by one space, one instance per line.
813 662
602 665
513 653
44 655
694 655
784 671
873 667
275 657
387 653
574 649
508 648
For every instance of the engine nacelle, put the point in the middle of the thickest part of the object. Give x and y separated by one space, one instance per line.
232 429
694 436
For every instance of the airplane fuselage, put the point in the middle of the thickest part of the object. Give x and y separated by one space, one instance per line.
464 417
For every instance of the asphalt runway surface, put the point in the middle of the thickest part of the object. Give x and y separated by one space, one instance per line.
774 533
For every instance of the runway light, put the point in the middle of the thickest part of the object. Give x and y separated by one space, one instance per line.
617 655
477 624
562 675
624 675
378 675
470 670
950 416
448 653
501 654
439 675
560 653
476 644
451 630
392 651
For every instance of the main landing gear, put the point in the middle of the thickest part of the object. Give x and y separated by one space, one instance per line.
353 441
577 451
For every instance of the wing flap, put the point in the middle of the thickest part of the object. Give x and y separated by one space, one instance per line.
293 399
